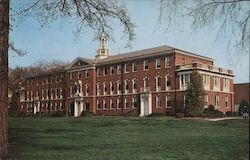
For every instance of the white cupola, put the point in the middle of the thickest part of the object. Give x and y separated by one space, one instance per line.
103 50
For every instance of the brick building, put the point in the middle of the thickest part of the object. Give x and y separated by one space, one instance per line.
242 92
142 82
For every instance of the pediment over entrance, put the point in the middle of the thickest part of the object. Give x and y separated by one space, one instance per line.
80 63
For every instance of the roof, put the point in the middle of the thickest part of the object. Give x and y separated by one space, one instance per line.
146 53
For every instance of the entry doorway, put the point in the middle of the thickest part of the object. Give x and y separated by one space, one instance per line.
145 105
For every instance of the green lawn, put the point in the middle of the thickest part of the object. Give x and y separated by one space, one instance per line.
129 138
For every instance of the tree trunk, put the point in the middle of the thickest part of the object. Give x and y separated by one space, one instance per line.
4 38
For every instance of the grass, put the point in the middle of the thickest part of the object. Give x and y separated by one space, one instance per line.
129 138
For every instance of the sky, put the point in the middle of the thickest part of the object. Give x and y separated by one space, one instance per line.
57 42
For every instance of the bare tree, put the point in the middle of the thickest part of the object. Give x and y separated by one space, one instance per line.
4 39
230 17
96 14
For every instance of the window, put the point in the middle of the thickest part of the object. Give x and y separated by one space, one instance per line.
184 80
226 101
79 75
98 105
87 73
98 88
111 101
217 100
216 81
119 69
134 67
105 104
168 102
206 100
158 83
206 79
105 71
126 68
126 86
158 101
126 103
70 76
134 86
104 88
55 106
87 89
157 63
47 106
112 70
119 105
119 88
167 62
52 107
112 88
98 72
145 65
51 80
184 60
168 82
134 102
145 79
226 84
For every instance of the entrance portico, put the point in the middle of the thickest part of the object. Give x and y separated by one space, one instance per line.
146 104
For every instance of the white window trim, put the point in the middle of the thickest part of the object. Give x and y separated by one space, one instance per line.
156 63
144 65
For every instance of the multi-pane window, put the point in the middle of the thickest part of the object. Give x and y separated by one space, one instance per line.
134 86
158 83
216 81
119 88
134 67
145 79
112 70
112 88
104 88
105 71
99 73
168 102
126 68
206 100
158 101
87 89
119 105
87 73
105 106
184 81
145 65
217 100
111 102
206 79
167 62
98 105
134 102
126 86
79 75
226 84
226 101
126 103
157 63
98 88
168 82
119 69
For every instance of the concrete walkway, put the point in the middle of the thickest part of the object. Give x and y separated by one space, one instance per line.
221 119
213 119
